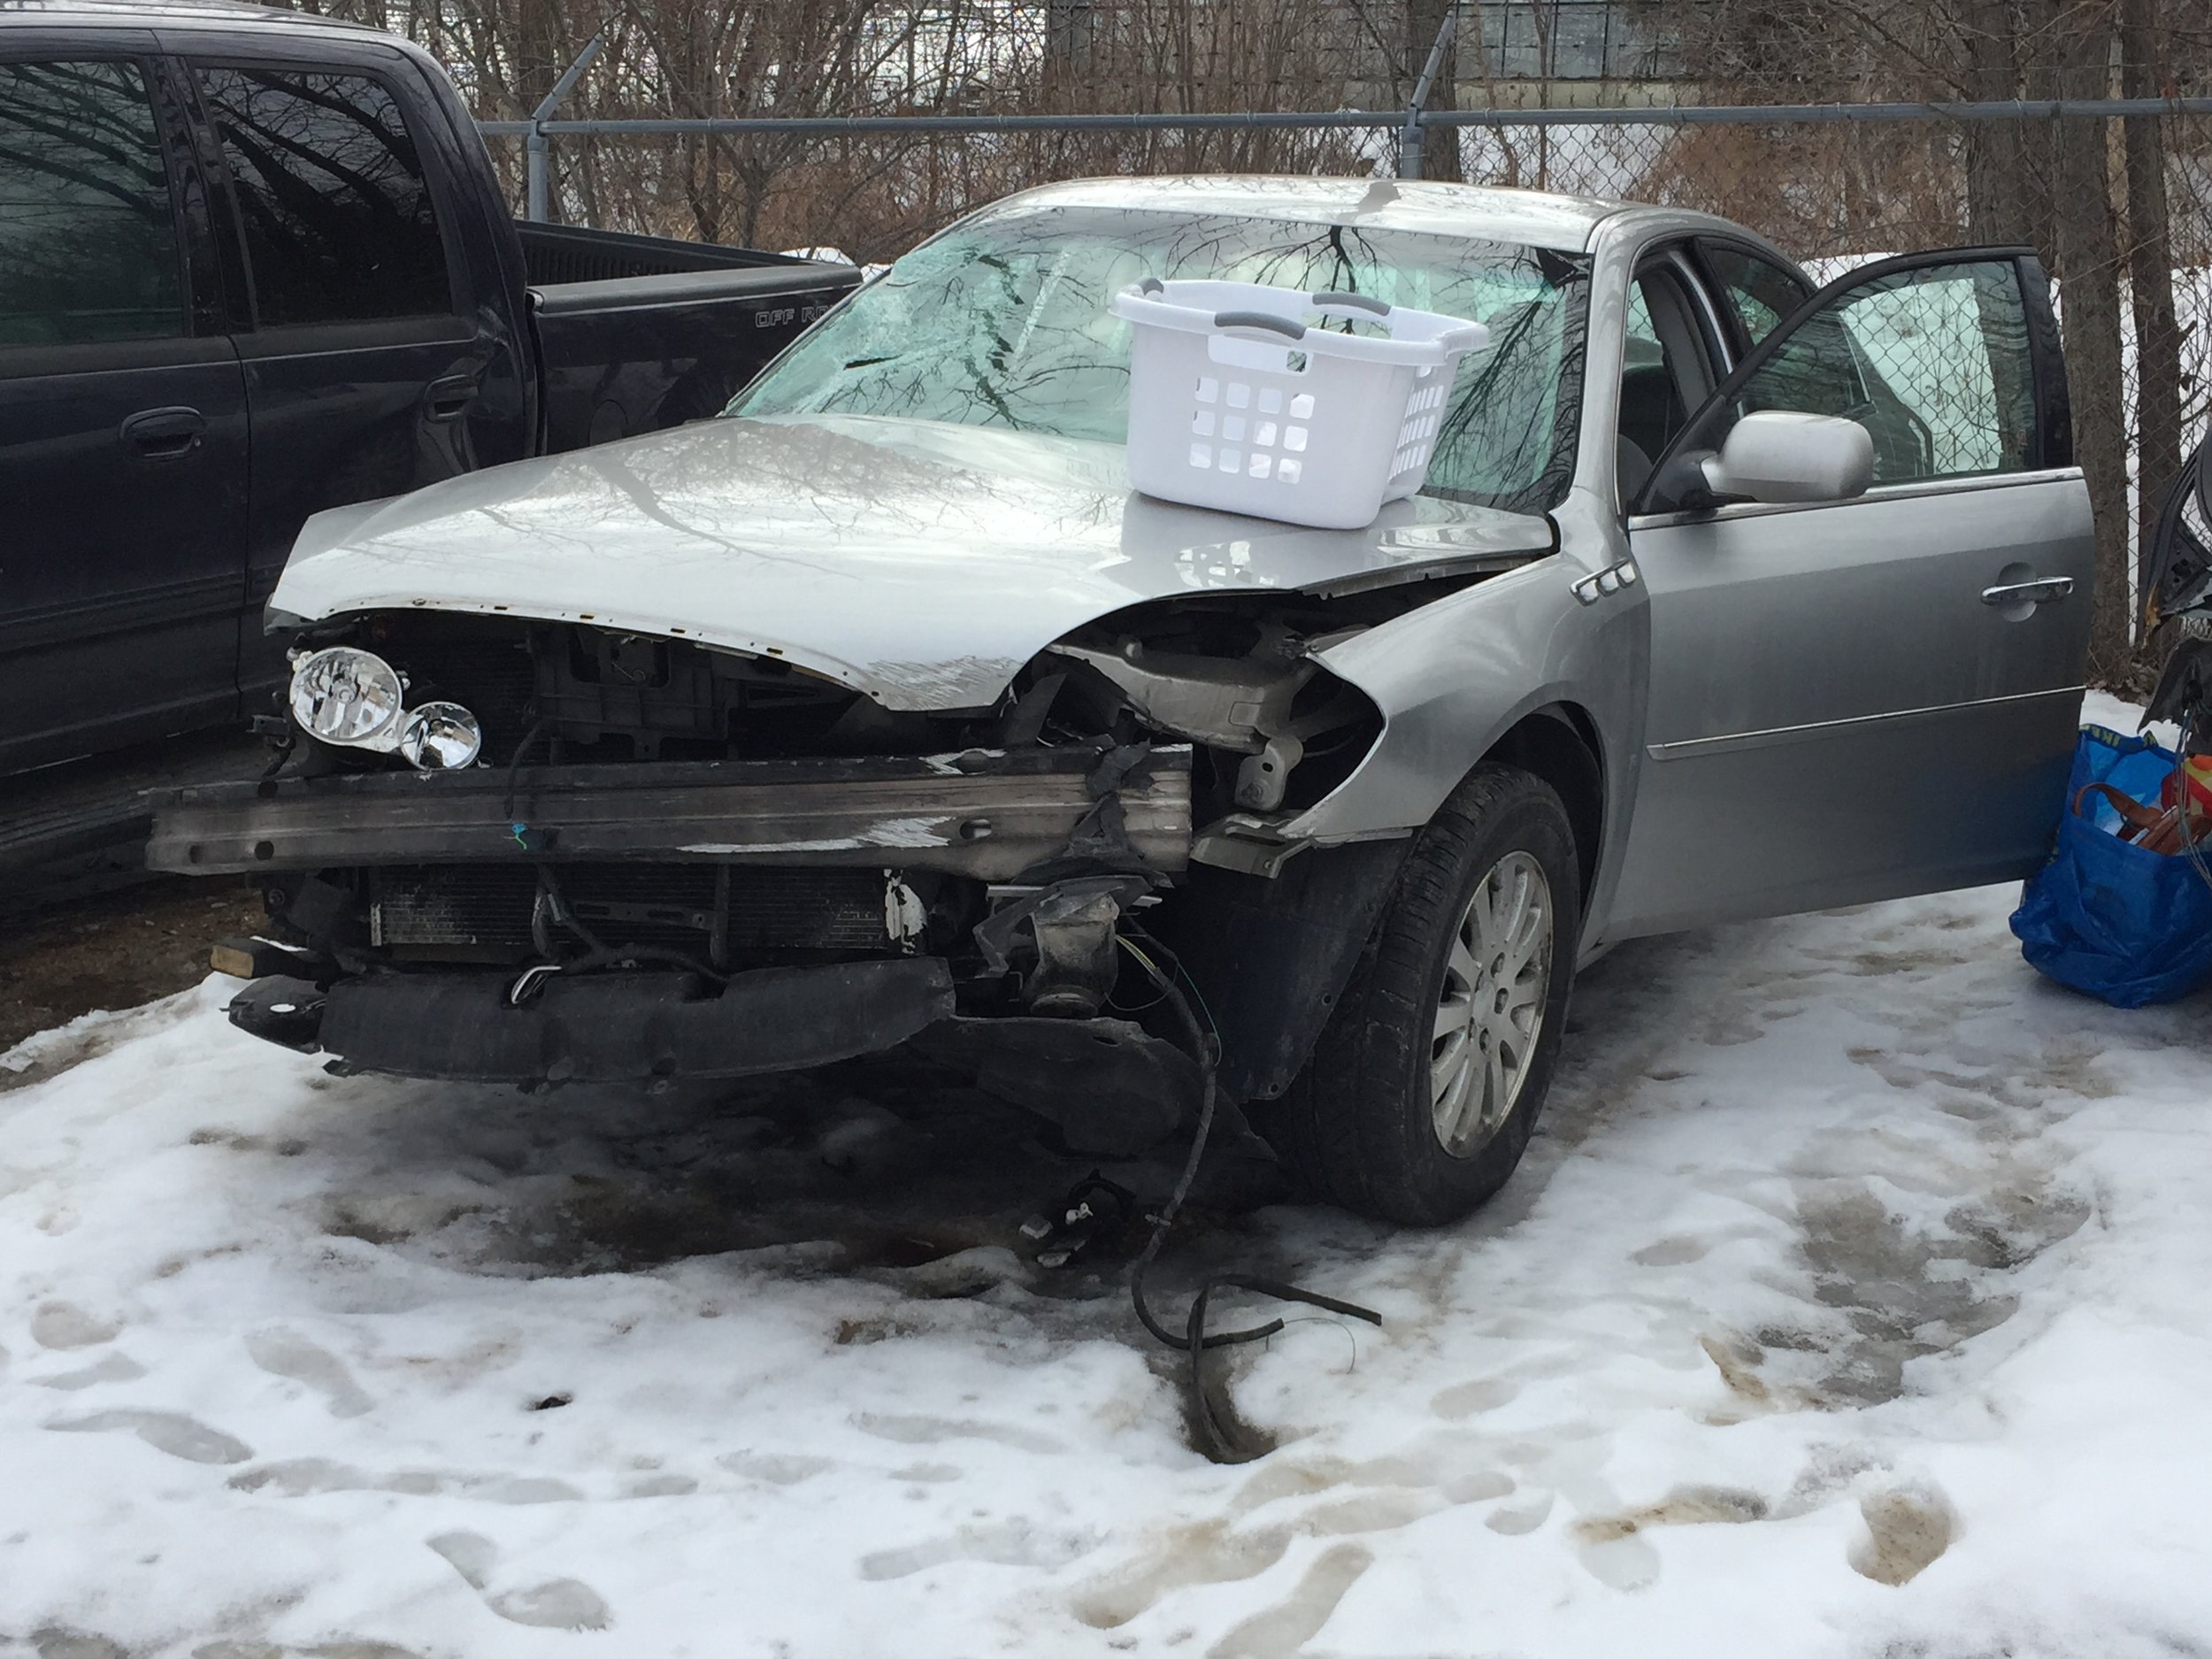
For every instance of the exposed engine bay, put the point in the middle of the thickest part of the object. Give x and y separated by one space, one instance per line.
540 851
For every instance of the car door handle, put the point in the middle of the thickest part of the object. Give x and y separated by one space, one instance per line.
2041 591
449 399
165 434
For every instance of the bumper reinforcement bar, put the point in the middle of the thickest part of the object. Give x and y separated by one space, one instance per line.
985 813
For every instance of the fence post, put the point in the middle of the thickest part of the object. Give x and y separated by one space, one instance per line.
1409 139
537 146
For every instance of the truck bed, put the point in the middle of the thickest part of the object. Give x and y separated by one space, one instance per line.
554 254
638 333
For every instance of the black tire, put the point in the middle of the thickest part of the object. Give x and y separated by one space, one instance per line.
1359 1127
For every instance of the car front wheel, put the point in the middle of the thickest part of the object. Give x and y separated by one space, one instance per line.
1424 1085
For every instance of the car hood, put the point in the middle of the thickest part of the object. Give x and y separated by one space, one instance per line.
920 563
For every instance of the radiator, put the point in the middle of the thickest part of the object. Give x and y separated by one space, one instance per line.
490 905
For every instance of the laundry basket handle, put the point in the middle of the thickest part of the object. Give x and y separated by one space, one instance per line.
1352 303
1281 325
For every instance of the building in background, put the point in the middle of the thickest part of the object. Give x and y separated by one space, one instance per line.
1565 54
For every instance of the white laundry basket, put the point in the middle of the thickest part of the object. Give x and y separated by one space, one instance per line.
1236 402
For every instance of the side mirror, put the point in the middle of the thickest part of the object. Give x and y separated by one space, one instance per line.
1779 454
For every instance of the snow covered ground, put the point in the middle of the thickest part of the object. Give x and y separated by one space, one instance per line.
1855 1299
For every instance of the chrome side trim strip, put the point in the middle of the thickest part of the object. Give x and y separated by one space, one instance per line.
1691 747
1880 492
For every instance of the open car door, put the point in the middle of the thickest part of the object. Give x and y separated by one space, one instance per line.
2175 578
1867 563
2175 581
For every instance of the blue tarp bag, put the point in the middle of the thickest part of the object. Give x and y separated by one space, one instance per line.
2108 917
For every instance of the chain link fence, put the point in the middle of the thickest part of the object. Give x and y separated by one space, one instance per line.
2115 196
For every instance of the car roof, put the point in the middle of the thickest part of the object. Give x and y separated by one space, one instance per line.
165 14
1541 219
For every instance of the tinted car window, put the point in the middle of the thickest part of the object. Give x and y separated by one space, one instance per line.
337 217
1816 371
87 244
1933 361
1653 407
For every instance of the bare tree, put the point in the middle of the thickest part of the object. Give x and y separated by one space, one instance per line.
2150 261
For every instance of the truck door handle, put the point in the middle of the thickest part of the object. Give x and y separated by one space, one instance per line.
449 399
165 434
2041 590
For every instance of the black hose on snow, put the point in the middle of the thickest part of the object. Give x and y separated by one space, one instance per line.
1194 1339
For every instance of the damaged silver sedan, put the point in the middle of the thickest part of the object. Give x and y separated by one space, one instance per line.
880 712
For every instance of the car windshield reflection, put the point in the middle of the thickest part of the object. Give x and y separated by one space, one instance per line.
1003 321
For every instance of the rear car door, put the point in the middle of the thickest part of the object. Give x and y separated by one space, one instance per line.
123 433
1858 699
367 356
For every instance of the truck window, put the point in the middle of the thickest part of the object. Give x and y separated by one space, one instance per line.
336 212
87 244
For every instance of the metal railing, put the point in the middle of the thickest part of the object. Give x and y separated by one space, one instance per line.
1410 125
544 127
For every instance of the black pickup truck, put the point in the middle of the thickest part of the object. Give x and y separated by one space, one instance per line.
253 265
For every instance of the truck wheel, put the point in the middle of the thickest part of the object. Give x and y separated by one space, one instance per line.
1426 1083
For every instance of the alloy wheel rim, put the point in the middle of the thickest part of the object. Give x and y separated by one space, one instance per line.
1490 1008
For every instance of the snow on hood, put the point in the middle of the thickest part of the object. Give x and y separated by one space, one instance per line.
920 563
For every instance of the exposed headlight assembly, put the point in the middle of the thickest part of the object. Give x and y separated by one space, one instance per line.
441 737
345 695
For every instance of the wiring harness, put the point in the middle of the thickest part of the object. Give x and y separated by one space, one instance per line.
1194 1339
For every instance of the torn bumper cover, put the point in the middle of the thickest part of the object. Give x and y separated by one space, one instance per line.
601 1027
1112 1089
984 813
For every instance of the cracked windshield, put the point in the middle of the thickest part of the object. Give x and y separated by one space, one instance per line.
1003 322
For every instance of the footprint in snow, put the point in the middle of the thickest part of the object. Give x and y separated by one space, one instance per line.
54 1641
108 1368
926 1473
169 1432
780 1469
1287 1627
286 1354
1906 1529
342 1647
1670 1252
1014 1543
1210 1552
306 1477
1628 1563
1195 1553
556 1604
1524 1516
1616 1553
1394 1485
64 1324
930 1431
1462 1401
